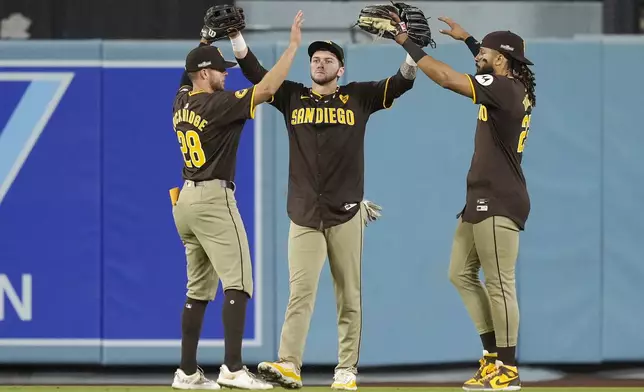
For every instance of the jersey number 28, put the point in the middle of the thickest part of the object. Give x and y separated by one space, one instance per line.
193 154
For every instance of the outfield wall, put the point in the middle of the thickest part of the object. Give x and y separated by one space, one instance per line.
92 271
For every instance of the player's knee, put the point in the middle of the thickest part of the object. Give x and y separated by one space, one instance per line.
455 278
200 296
302 298
462 278
302 288
190 300
236 293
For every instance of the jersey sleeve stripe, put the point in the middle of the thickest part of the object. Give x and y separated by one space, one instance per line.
472 86
252 103
384 99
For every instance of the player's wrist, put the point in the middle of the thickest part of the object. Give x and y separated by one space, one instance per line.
410 61
472 45
238 43
415 52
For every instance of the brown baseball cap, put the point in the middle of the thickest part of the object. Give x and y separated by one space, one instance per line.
329 46
508 43
207 56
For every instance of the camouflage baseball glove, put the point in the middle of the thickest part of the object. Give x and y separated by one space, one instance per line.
222 20
377 20
374 212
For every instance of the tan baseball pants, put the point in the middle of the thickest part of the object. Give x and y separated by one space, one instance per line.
492 245
307 251
214 236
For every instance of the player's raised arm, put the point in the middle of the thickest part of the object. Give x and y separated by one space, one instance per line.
441 73
269 84
230 23
250 66
402 81
458 33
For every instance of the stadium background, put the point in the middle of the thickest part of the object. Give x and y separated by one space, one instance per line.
92 272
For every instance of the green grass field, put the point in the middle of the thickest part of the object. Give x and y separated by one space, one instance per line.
309 389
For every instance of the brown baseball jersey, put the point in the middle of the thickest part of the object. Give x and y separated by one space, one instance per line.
208 128
326 143
495 182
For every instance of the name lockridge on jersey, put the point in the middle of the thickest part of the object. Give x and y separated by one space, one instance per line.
188 116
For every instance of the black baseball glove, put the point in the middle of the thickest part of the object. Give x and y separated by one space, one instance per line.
377 20
222 20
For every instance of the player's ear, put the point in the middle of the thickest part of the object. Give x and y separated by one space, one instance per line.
340 71
500 60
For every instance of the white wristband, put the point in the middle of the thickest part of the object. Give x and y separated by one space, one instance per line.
410 61
238 43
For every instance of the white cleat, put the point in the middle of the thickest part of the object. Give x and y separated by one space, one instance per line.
193 382
241 379
344 380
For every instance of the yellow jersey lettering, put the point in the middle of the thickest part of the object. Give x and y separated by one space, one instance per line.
350 118
332 118
322 116
341 118
197 120
175 119
525 125
482 113
188 116
202 125
308 118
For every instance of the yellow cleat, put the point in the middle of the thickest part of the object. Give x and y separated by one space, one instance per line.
283 373
504 378
486 367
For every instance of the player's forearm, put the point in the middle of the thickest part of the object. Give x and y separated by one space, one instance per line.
408 68
239 46
276 76
473 45
436 70
398 85
250 66
439 72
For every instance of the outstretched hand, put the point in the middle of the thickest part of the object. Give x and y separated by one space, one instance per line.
455 30
402 36
296 29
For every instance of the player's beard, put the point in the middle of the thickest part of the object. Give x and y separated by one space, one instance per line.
484 68
216 84
323 80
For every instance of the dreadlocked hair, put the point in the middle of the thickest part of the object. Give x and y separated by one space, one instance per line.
526 76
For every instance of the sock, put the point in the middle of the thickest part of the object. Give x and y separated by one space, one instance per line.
489 342
507 355
191 322
234 316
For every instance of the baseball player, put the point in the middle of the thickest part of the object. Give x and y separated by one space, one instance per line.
326 128
208 122
497 202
